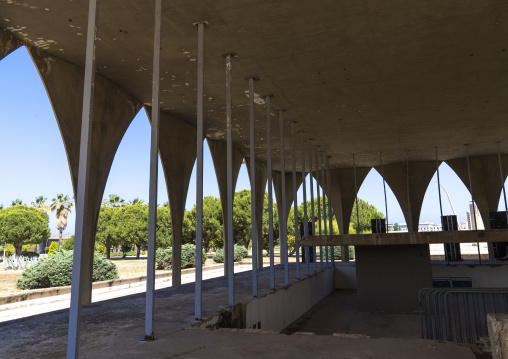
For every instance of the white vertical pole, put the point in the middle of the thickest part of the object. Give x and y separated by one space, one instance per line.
318 202
502 180
295 201
311 183
270 194
283 230
356 197
253 223
324 204
330 216
229 149
83 183
154 156
305 219
199 178
410 219
473 202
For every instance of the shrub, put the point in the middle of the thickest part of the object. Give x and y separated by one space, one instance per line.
56 270
68 244
164 260
337 252
28 254
53 248
239 253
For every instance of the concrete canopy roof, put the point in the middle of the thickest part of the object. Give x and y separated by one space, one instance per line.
358 77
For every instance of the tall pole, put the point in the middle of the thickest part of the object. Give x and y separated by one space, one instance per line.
384 186
325 226
253 223
410 219
295 202
330 216
270 195
154 157
199 177
318 202
305 219
81 233
502 180
356 197
439 187
283 230
311 183
472 201
229 164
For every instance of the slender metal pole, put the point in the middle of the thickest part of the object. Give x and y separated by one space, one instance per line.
253 223
154 157
283 230
199 178
325 225
440 203
502 180
295 201
313 218
384 187
356 197
83 183
229 151
270 195
318 202
472 201
330 216
410 219
305 219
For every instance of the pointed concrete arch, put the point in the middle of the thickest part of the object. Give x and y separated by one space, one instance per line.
261 173
113 111
8 44
218 150
420 175
277 186
486 179
177 150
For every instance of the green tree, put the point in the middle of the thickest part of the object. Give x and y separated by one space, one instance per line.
16 202
40 203
133 226
163 227
107 228
241 218
1 206
212 223
136 201
116 201
20 225
366 213
62 205
396 227
266 239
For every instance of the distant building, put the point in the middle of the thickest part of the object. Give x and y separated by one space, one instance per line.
471 223
423 227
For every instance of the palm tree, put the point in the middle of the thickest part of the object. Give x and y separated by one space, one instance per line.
40 204
17 202
116 201
62 205
136 201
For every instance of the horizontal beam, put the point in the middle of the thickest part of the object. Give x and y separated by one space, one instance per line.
390 239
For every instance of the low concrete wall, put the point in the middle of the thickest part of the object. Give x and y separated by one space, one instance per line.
276 310
345 275
483 276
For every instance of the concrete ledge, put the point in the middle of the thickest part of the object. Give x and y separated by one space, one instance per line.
49 292
384 239
498 335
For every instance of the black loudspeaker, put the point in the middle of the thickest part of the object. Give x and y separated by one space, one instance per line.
452 250
498 221
378 225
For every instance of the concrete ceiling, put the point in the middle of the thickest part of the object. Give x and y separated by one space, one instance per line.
358 76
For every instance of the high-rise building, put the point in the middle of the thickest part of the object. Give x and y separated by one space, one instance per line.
472 222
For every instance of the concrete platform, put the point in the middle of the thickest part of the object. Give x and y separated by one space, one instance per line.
113 329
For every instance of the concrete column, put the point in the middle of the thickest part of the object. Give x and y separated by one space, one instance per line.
218 151
113 111
420 175
8 44
261 177
177 150
277 186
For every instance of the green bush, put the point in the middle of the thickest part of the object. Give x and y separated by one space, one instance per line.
53 248
239 253
56 271
337 253
29 254
164 260
68 244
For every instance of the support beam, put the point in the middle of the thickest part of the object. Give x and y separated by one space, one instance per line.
282 207
305 217
295 199
8 44
270 194
252 176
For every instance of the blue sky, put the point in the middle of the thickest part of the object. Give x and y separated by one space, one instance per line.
33 161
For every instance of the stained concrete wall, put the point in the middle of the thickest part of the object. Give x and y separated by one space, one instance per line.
279 308
389 277
345 275
483 276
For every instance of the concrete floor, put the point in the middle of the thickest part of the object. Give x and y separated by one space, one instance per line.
113 329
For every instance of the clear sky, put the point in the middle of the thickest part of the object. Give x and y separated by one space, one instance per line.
33 161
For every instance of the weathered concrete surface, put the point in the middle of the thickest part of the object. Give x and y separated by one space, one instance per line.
8 43
389 239
261 174
389 277
113 329
177 151
277 187
218 150
486 275
113 111
498 335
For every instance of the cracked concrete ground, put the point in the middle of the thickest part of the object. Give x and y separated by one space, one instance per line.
113 329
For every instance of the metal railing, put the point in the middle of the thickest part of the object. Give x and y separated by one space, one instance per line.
459 314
